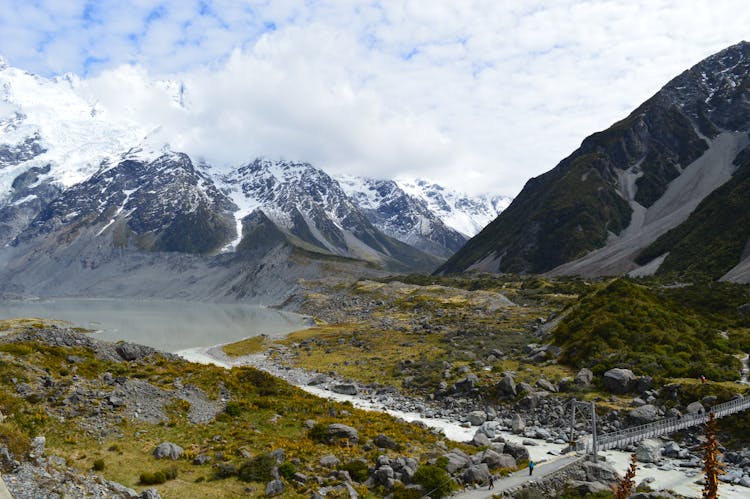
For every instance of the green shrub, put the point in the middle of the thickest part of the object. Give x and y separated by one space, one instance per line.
357 469
171 472
148 478
435 481
318 433
234 409
98 465
258 469
287 470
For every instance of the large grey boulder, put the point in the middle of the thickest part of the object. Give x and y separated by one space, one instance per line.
274 488
546 385
517 423
644 414
150 494
476 473
584 489
695 408
495 460
457 460
329 461
518 451
168 450
480 440
584 377
476 418
619 381
649 451
345 389
385 442
600 472
506 387
467 384
338 431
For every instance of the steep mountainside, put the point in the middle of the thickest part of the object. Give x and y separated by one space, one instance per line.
93 203
402 216
626 186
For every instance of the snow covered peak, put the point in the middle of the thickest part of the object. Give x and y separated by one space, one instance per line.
74 134
3 63
466 214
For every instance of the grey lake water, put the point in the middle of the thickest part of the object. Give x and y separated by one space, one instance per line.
164 324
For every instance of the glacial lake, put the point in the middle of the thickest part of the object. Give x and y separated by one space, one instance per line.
164 324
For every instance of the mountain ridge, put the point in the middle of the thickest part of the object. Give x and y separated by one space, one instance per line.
625 186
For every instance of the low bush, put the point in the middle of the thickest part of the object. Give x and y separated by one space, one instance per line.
98 465
258 469
357 469
155 478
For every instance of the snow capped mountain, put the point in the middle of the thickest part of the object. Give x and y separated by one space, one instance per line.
465 214
403 216
310 206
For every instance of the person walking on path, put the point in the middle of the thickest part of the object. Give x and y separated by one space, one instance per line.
492 483
531 468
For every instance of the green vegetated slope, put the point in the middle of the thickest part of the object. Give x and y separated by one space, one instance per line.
657 330
64 394
712 240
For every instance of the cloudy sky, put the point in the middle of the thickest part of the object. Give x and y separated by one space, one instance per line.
480 95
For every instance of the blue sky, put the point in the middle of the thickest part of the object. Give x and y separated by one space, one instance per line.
481 95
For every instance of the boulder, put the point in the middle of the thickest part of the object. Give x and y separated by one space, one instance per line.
329 461
150 494
476 418
494 460
457 460
168 450
695 408
517 423
318 379
476 473
37 447
619 381
518 451
467 384
644 414
345 389
506 387
671 449
385 442
584 377
546 385
274 488
600 472
587 488
384 475
649 451
338 431
480 440
130 352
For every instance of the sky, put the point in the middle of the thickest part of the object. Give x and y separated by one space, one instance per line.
477 95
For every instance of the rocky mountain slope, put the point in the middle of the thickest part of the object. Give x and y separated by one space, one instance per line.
86 195
603 209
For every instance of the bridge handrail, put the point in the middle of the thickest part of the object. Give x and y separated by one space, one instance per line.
668 425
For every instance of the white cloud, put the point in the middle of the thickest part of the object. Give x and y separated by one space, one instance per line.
481 95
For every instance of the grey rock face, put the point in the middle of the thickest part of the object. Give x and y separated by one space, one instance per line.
506 386
517 423
619 381
476 473
275 488
695 408
495 460
385 442
518 451
644 414
345 389
649 451
476 418
600 472
584 377
337 431
168 450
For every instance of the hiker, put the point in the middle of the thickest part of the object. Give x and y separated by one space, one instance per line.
703 379
531 468
492 483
